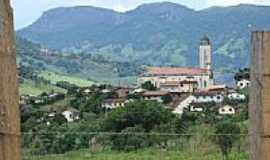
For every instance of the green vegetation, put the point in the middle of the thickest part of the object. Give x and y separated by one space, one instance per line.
190 153
29 88
136 130
148 86
242 74
54 78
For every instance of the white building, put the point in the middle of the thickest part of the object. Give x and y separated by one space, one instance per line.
208 97
154 95
205 53
243 83
187 86
226 110
194 108
114 103
71 114
203 76
237 96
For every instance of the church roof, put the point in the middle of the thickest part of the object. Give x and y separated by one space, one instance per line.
175 71
176 83
205 41
155 93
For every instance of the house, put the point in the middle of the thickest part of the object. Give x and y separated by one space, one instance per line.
243 83
237 96
226 110
186 86
24 99
194 107
161 77
114 103
208 97
123 92
105 91
71 114
138 91
87 91
217 88
154 95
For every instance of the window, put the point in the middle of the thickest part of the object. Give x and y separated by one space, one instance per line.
181 85
205 84
230 110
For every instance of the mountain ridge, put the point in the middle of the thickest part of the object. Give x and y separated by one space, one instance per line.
158 34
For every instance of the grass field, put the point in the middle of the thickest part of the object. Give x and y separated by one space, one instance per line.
54 77
28 87
147 154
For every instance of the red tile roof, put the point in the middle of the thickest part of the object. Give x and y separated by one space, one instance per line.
116 100
189 82
170 83
175 71
177 83
154 93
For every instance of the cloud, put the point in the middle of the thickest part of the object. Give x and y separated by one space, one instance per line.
236 2
121 8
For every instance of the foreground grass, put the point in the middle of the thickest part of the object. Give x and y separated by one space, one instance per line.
147 154
29 88
54 77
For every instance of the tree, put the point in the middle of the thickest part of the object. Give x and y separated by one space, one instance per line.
144 113
148 86
242 74
228 133
131 139
167 98
93 104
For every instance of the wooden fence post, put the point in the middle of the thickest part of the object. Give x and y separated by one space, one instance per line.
259 106
10 148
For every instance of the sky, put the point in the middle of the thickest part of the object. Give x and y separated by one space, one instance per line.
27 11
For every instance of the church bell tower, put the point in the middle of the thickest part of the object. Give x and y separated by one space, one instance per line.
205 53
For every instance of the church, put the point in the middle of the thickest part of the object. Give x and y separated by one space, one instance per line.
183 79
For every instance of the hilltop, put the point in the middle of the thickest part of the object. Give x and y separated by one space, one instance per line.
160 34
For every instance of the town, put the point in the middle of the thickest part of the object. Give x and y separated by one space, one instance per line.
180 89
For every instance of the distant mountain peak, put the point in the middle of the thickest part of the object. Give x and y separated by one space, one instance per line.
162 6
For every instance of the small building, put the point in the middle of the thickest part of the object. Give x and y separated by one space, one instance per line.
195 108
154 95
186 86
122 92
71 114
138 91
237 96
243 83
200 107
208 97
217 88
87 91
114 103
106 91
226 110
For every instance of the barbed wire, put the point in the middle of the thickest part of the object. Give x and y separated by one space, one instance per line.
137 133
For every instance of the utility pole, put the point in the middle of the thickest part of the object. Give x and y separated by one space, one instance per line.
259 106
10 148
